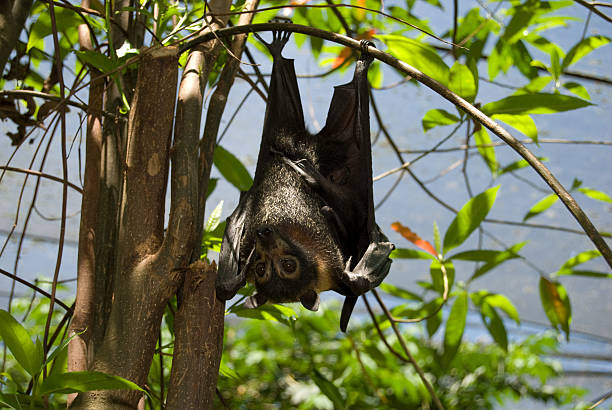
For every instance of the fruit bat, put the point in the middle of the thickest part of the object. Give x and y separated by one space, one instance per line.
307 223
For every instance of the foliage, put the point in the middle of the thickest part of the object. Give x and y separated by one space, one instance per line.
306 363
310 365
26 355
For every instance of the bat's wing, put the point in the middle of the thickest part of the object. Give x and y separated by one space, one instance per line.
344 181
231 274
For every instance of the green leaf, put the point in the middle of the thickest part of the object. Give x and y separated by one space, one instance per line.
226 371
469 218
77 382
535 86
436 117
541 206
455 325
556 304
541 103
486 151
17 339
577 89
232 169
516 28
328 389
582 48
496 300
585 273
555 65
433 323
399 292
494 325
214 218
419 55
514 166
405 253
579 259
598 195
522 123
510 253
97 60
462 81
269 311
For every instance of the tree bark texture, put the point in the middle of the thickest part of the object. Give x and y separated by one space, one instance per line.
147 273
199 341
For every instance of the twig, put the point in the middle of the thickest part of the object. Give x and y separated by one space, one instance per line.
35 288
41 174
402 342
595 10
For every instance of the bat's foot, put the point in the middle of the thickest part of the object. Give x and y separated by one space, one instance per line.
365 55
370 270
279 37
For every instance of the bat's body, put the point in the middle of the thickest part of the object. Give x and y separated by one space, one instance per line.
307 223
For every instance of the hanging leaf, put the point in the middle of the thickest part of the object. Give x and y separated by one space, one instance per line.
232 169
486 151
594 194
455 325
582 48
469 218
521 123
540 103
438 117
556 304
399 292
328 389
541 206
577 89
462 81
494 325
419 55
17 339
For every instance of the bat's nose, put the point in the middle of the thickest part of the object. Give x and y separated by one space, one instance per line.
263 232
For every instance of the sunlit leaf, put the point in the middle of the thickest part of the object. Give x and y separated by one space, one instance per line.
486 151
541 206
540 103
17 339
514 166
414 238
510 253
437 117
77 382
462 81
496 300
399 292
277 313
419 55
577 89
214 218
469 218
556 304
232 169
455 325
594 194
582 48
522 123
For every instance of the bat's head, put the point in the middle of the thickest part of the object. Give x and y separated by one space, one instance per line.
288 266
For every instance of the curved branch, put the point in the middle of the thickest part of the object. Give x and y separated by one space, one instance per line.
41 174
35 288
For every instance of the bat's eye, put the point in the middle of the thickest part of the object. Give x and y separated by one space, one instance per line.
289 265
260 269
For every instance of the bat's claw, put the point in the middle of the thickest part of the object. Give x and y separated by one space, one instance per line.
279 37
365 55
371 269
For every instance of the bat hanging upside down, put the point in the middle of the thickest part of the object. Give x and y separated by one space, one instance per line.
307 224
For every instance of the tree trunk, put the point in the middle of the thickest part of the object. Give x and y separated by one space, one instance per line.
148 273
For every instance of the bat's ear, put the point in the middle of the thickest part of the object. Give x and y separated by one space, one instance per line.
310 300
255 301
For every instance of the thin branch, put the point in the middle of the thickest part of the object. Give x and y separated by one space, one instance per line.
402 342
503 144
35 288
595 10
41 174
